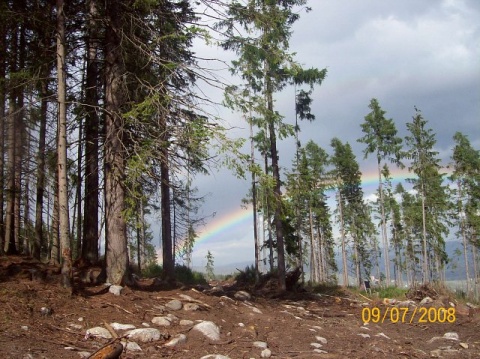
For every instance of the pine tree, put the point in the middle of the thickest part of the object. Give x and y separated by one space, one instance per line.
425 164
382 141
266 65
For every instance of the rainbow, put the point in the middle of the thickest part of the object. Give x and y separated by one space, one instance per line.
227 222
244 216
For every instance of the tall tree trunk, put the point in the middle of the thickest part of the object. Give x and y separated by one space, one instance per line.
277 189
254 204
55 237
424 237
39 237
9 221
168 256
464 237
313 264
90 221
64 223
116 229
10 240
344 247
3 120
27 242
18 158
384 224
78 195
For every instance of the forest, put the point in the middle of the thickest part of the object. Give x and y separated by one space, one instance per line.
104 122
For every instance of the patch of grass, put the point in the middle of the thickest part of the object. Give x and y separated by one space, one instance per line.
328 288
391 292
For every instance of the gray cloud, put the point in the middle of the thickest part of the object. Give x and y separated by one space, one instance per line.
404 53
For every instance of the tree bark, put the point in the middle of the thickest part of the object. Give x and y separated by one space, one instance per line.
3 89
116 229
167 246
39 238
90 221
64 223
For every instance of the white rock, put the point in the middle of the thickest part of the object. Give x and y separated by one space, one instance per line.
75 326
191 307
266 353
84 355
99 332
186 297
80 319
382 335
131 346
451 336
161 321
321 340
256 310
320 351
241 325
115 289
242 295
174 304
186 322
120 326
259 344
209 329
316 345
426 300
464 345
363 335
144 335
215 356
178 339
24 327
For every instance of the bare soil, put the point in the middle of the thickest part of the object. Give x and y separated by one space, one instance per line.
288 322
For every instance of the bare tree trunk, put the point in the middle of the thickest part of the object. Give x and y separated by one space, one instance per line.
116 229
55 237
269 223
64 223
90 221
424 237
27 243
313 264
384 225
78 194
344 247
254 204
9 222
3 120
168 257
39 237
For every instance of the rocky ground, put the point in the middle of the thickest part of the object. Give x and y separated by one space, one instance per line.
38 319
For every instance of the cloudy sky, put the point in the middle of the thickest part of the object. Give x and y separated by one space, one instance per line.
406 53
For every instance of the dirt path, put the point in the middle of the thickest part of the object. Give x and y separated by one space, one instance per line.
294 326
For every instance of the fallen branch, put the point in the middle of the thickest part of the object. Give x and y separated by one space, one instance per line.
119 307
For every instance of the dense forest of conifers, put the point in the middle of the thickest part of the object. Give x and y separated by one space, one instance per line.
102 122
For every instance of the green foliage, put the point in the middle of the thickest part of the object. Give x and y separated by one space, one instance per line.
152 271
247 276
186 276
182 273
391 292
209 266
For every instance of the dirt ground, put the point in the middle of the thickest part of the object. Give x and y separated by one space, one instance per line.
290 323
